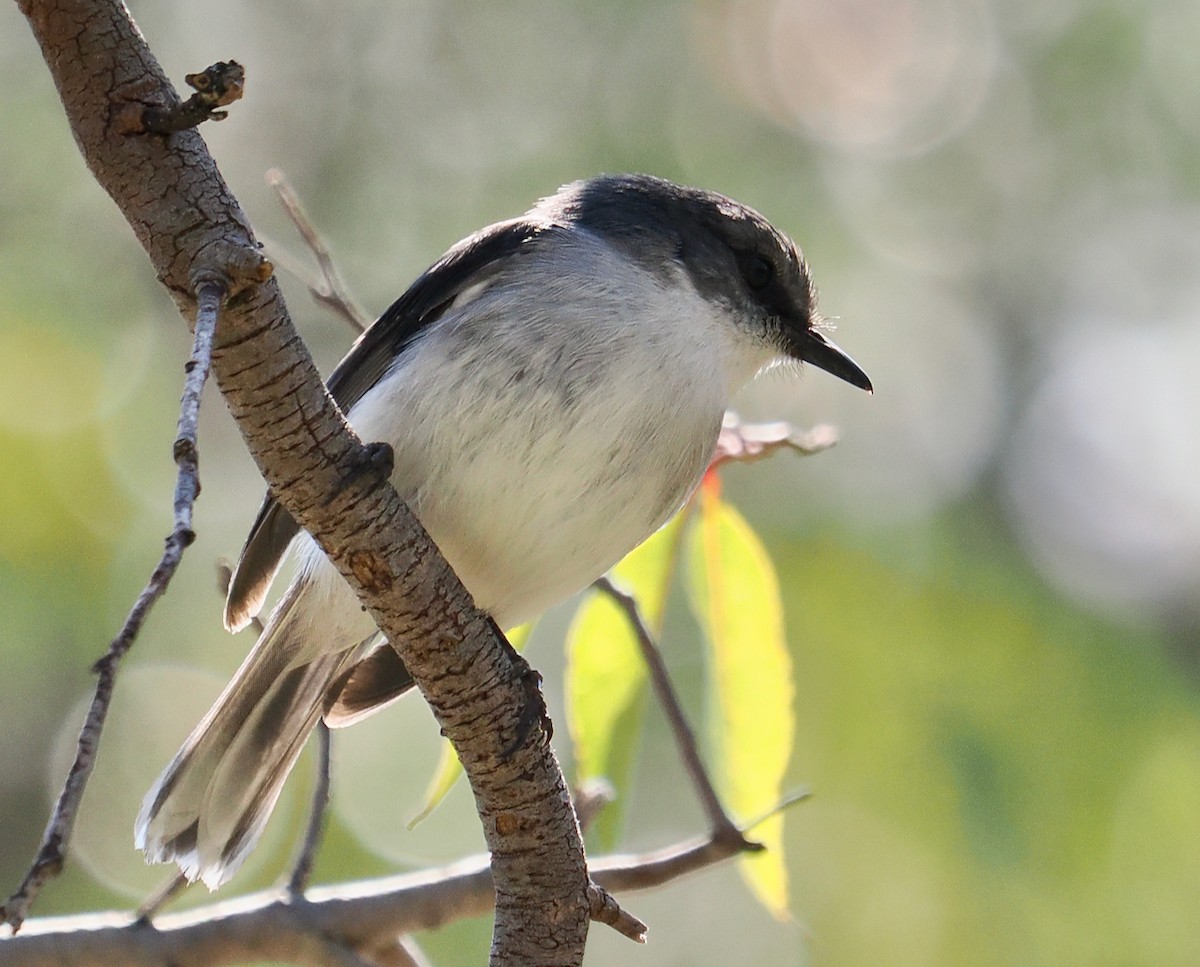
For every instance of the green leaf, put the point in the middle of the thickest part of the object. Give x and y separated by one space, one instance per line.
448 769
735 596
440 783
606 675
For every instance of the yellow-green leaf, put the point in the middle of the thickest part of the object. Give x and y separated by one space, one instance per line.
449 768
735 595
606 675
444 777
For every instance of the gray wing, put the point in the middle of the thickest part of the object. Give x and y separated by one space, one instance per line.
369 358
372 684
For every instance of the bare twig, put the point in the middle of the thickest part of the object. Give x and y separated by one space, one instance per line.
329 291
51 855
590 799
302 869
161 897
606 910
330 952
401 952
216 87
787 802
723 827
748 442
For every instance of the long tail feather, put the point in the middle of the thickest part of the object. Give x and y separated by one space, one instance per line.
209 806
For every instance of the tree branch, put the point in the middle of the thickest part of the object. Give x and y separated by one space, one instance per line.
723 828
52 853
329 290
194 232
364 917
315 829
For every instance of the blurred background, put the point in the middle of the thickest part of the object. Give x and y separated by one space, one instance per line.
991 584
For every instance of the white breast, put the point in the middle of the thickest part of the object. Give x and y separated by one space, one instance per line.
543 431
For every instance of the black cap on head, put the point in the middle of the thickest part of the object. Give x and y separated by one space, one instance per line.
730 252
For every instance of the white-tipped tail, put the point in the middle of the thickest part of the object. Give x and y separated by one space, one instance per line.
209 806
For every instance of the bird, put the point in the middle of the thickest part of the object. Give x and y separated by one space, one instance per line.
552 389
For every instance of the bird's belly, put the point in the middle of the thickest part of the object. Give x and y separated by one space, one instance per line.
536 460
523 534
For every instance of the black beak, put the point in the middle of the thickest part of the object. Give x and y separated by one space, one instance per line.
812 347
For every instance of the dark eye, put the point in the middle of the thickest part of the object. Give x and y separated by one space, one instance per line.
758 272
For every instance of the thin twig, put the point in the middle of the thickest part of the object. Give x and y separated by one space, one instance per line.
216 87
685 740
330 291
606 910
590 800
741 442
401 952
331 952
302 868
161 897
52 853
787 802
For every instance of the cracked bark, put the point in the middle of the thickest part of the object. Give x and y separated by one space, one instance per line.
193 230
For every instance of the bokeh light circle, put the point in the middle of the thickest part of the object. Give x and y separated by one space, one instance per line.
1102 470
383 767
864 75
152 712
